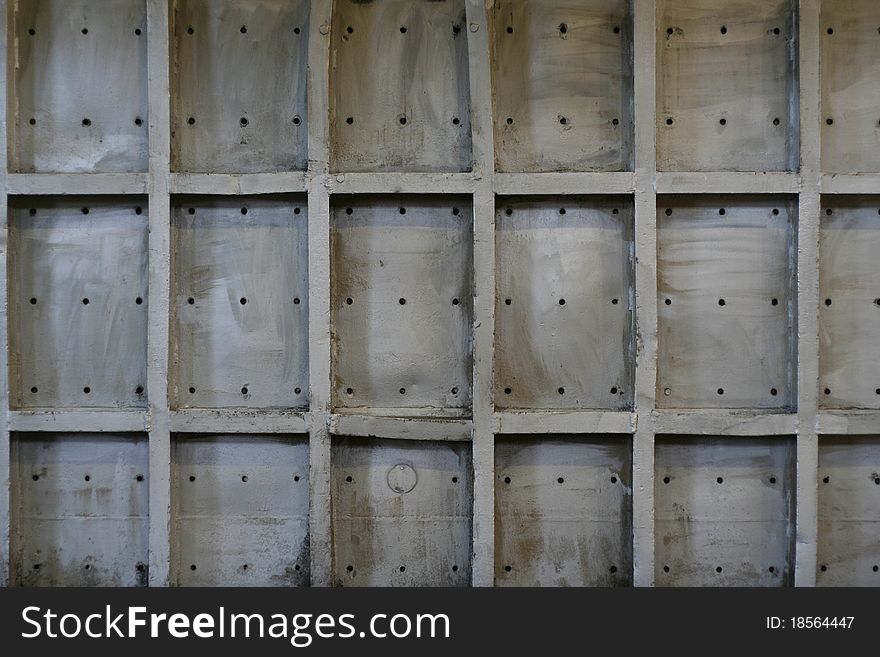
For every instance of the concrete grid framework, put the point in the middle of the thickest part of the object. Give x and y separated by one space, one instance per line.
679 429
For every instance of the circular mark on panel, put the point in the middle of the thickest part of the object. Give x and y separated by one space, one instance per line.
402 478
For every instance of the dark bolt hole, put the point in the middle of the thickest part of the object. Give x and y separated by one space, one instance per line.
296 477
509 120
669 31
33 121
401 301
349 301
296 391
192 477
772 480
190 301
823 568
36 566
455 301
561 480
456 212
455 480
87 478
244 210
669 121
827 302
139 301
723 121
189 30
616 29
563 120
242 301
191 121
140 478
244 390
561 390
875 568
720 480
456 29
507 391
402 391
776 121
877 481
348 210
138 121
508 211
665 480
455 569
33 301
665 569
613 569
191 211
192 391
614 302
509 29
614 390
825 480
615 211
139 390
771 569
349 391
87 122
827 391
348 479
562 302
830 30
244 479
296 120
402 120
613 480
403 29
138 210
718 569
829 121
296 211
723 29
403 569
349 29
88 566
668 212
774 391
507 569
137 31
349 568
561 210
563 28
32 31
35 477
455 120
402 210
34 390
507 302
668 302
85 211
85 30
454 390
774 302
507 480
722 212
192 567
32 211
720 391
243 121
87 390
245 567
296 301
243 29
615 121
776 30
775 211
829 211
721 302
140 567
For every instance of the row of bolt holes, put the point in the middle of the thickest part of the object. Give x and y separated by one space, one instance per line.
614 391
139 567
349 568
87 478
243 211
668 391
776 31
720 480
453 391
243 567
561 480
612 569
244 478
244 390
349 479
723 121
719 569
138 121
243 29
243 121
139 390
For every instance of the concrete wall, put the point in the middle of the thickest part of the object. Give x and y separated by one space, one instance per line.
440 292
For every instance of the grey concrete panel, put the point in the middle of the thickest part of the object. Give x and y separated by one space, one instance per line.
726 302
564 319
80 86
78 302
724 511
563 85
727 85
563 511
239 85
401 512
240 302
401 303
240 510
399 86
80 509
